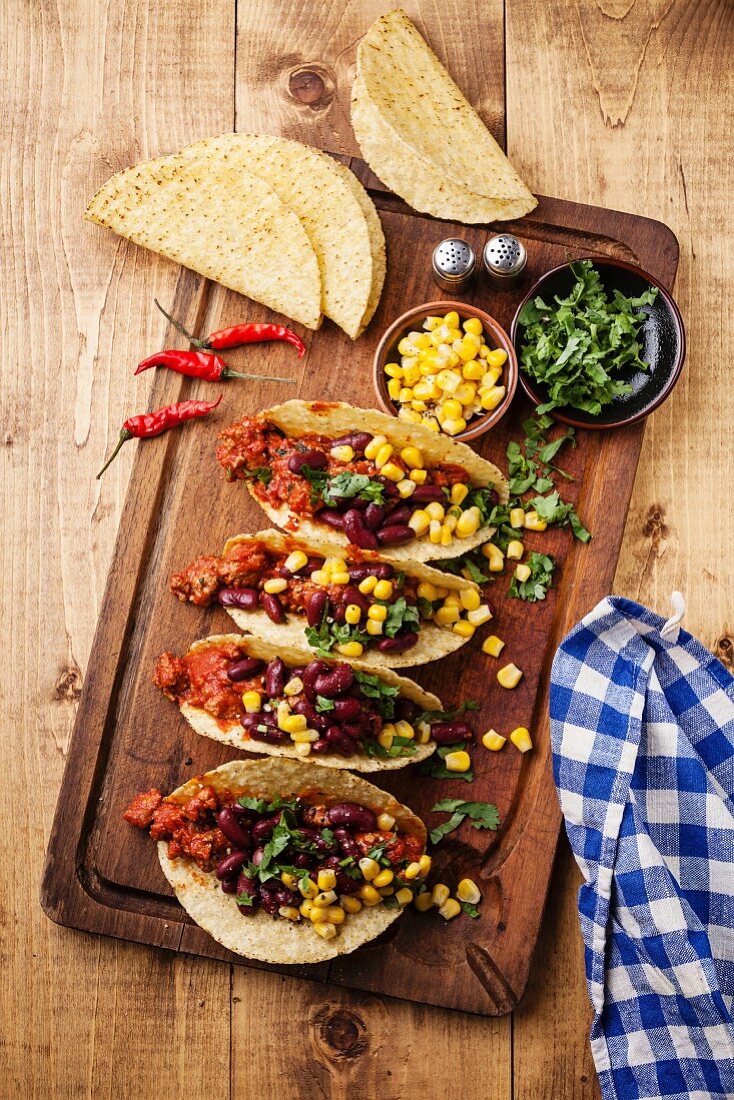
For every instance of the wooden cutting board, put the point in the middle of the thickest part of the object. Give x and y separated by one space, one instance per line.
103 876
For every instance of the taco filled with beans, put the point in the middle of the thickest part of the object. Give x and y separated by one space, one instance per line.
387 485
286 863
337 602
277 700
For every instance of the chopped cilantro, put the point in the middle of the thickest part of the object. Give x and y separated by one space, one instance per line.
539 581
400 614
401 746
259 473
447 715
469 909
383 694
347 485
482 815
436 769
323 704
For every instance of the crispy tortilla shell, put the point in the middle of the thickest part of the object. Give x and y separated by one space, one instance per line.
260 936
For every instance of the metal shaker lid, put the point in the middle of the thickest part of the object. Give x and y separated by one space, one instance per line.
453 261
504 256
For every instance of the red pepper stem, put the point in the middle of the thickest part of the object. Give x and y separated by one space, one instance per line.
177 325
227 373
124 436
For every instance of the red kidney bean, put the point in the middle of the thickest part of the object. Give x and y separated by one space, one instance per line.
340 742
286 896
269 898
448 733
245 817
248 886
315 606
235 833
335 681
257 856
332 517
352 816
344 709
406 710
493 496
272 607
422 494
320 746
382 570
317 460
308 710
395 535
313 564
262 829
275 678
351 594
399 643
374 515
391 489
244 598
340 613
248 666
344 884
346 842
356 440
229 885
313 836
304 860
357 531
399 516
315 669
358 728
267 729
355 502
229 865
249 721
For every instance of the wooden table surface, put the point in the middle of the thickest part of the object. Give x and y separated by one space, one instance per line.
622 103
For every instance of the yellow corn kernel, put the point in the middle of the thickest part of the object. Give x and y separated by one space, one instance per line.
289 912
374 445
418 477
386 735
345 453
377 612
447 381
434 532
480 616
335 914
523 572
373 627
295 562
384 453
464 629
369 867
493 740
515 550
494 556
325 929
352 613
350 649
412 457
497 358
305 909
509 676
430 423
431 323
394 388
419 521
392 472
447 616
458 761
446 534
517 517
472 371
412 871
423 733
324 898
350 904
406 347
427 591
404 895
452 599
449 909
304 737
468 523
435 510
493 645
451 320
369 895
404 729
320 577
383 590
425 863
406 487
334 564
303 748
491 398
292 723
483 351
411 372
466 393
384 878
252 701
473 325
521 739
393 370
410 415
533 522
423 902
326 879
459 492
318 914
440 893
490 378
385 822
470 599
367 585
308 888
294 686
275 585
466 350
450 410
291 881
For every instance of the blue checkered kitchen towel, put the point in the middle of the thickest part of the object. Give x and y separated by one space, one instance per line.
642 722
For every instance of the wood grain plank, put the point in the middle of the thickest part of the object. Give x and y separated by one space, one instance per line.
295 69
87 88
633 114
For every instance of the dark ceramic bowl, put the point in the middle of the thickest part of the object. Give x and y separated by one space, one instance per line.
387 352
663 339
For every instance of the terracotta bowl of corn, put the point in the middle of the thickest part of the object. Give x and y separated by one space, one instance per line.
448 366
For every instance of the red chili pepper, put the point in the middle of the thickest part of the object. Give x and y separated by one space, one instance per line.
197 364
238 335
146 425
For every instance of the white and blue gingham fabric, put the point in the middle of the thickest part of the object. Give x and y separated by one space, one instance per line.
642 723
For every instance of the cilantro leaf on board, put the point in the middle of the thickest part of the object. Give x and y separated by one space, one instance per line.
539 581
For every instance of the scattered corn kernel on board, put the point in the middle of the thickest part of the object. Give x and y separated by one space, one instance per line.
128 736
